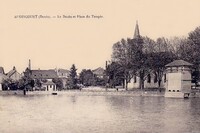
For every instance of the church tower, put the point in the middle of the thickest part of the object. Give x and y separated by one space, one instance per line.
137 38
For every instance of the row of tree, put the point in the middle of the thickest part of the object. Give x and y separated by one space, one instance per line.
143 55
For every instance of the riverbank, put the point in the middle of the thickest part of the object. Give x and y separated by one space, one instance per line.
109 92
96 91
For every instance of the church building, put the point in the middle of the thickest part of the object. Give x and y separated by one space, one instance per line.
150 79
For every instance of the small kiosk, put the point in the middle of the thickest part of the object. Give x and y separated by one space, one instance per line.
179 79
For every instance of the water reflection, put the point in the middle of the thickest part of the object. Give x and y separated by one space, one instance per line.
80 114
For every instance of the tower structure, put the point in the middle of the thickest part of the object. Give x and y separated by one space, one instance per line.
136 37
178 79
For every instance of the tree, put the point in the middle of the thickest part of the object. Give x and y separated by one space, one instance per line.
72 83
27 82
157 62
194 36
87 78
6 84
115 74
122 56
194 46
188 49
138 59
149 45
194 42
21 84
131 59
58 82
158 53
38 83
101 81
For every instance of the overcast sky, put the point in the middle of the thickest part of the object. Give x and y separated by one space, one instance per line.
87 43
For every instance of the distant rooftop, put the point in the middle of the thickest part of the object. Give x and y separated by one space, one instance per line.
99 71
179 63
63 70
11 72
44 74
48 83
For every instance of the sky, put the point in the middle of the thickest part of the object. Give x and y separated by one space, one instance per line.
85 42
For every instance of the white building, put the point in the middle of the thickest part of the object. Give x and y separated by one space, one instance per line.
49 86
178 79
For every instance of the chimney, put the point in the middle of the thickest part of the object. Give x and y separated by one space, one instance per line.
29 64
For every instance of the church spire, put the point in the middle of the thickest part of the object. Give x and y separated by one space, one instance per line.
137 32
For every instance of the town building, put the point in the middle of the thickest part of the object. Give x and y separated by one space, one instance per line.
48 86
62 73
46 77
14 74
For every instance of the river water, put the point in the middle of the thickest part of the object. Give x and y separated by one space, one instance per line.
98 114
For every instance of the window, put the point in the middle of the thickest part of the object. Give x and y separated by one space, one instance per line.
155 78
149 78
165 77
173 90
135 79
178 90
169 90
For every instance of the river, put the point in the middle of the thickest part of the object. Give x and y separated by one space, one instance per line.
98 114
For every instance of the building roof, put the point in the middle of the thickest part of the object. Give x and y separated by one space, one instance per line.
43 74
178 63
99 71
11 72
48 83
1 70
63 70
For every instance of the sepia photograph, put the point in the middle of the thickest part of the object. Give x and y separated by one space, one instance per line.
99 66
